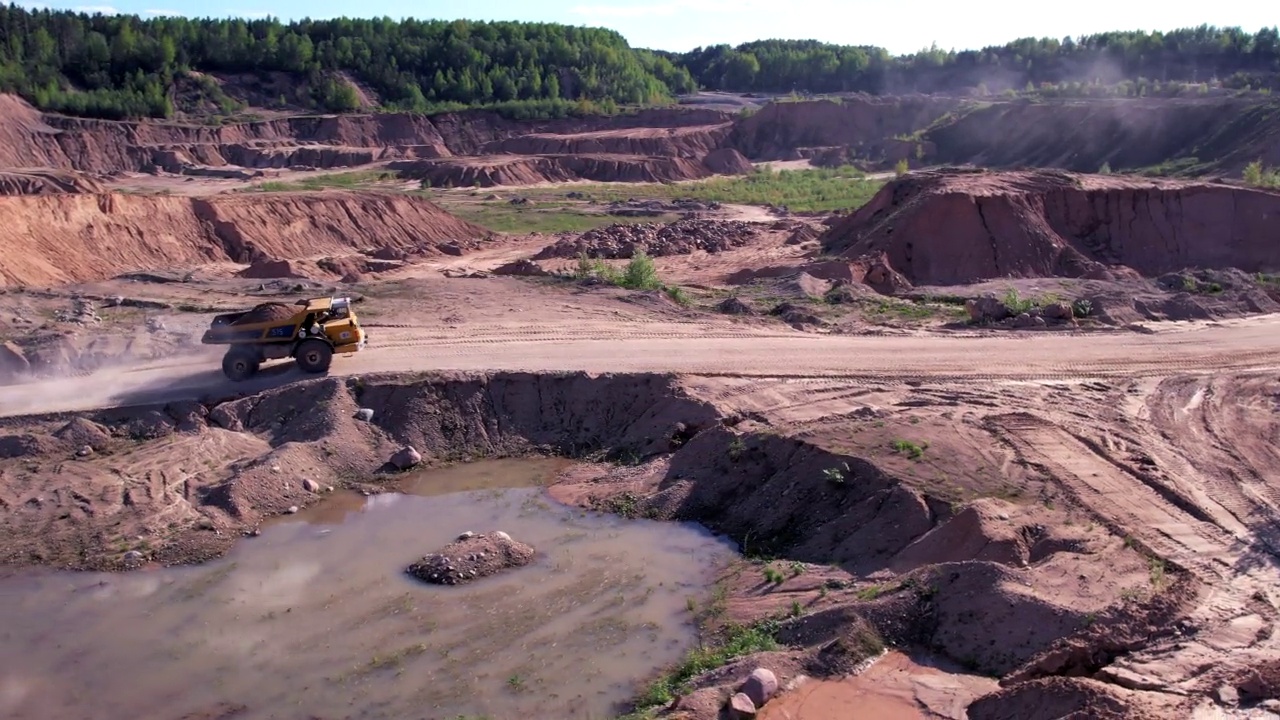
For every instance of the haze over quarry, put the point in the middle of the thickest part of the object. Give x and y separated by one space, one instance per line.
680 26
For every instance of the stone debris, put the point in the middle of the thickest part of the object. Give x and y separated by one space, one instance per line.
82 313
682 237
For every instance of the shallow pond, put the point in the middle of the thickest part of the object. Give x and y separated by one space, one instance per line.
316 618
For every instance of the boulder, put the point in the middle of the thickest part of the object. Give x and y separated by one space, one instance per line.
1058 311
406 458
741 706
760 686
734 306
986 309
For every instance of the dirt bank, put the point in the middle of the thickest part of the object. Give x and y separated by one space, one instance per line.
58 239
958 227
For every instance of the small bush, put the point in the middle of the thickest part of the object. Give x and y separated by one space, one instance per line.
1081 307
910 449
1016 304
640 273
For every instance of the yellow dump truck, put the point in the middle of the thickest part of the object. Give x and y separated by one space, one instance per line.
309 331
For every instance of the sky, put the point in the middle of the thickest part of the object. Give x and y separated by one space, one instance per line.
680 25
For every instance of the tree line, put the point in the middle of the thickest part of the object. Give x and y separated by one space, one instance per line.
120 66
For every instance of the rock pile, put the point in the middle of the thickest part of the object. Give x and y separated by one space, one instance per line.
990 309
82 313
471 557
653 208
758 689
654 239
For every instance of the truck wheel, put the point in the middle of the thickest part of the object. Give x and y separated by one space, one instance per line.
314 356
239 364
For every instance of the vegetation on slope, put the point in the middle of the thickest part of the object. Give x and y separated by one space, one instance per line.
1238 58
122 66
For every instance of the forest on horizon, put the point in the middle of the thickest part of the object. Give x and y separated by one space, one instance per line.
123 66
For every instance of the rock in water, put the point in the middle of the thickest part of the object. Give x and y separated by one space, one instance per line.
471 558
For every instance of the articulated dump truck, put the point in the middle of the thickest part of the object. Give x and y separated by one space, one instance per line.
309 331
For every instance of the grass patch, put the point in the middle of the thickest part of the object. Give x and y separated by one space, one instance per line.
815 190
734 641
343 181
910 449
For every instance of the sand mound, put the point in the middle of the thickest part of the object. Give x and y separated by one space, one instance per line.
678 238
267 312
266 269
54 239
956 227
471 557
1074 698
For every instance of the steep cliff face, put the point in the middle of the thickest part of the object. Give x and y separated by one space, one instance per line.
59 239
956 227
694 141
866 124
29 138
1220 135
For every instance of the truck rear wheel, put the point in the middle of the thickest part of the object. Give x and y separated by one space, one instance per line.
314 356
240 364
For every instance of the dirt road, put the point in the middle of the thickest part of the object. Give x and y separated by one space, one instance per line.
701 349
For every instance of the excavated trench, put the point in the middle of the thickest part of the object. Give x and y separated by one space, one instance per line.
894 564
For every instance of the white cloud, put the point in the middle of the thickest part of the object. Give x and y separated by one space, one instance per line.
96 9
162 12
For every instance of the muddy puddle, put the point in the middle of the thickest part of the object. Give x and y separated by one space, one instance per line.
896 687
315 617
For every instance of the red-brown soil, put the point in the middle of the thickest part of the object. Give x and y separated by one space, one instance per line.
963 227
52 240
